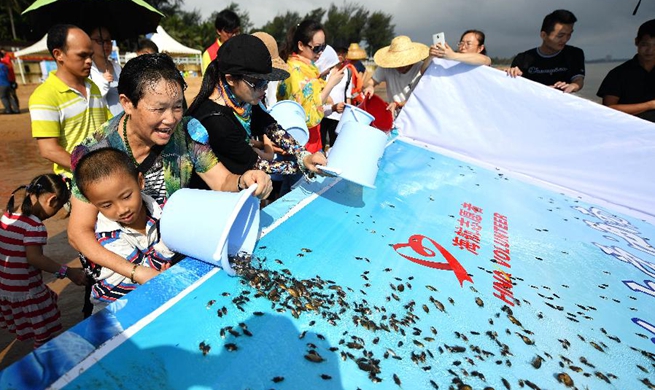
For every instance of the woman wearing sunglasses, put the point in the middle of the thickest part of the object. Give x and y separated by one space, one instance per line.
228 107
305 43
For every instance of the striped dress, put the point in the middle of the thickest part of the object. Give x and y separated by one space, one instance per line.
28 307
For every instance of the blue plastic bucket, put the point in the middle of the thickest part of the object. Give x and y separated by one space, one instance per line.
210 225
356 153
291 116
353 114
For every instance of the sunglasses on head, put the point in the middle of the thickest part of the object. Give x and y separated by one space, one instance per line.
256 83
317 49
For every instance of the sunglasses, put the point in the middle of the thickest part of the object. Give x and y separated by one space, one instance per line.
256 84
317 49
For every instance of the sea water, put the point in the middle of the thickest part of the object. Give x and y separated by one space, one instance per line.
595 73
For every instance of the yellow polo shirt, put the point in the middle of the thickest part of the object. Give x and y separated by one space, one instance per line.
59 111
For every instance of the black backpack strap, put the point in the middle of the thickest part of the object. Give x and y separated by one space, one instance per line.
345 90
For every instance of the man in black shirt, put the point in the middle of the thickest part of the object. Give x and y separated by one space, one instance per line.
554 63
630 87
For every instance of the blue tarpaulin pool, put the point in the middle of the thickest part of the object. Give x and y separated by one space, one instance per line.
447 274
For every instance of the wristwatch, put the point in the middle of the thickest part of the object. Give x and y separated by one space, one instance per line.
62 272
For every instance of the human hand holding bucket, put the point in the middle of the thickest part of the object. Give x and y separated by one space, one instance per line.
211 225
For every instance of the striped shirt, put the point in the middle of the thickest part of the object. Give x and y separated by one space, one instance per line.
146 250
59 111
17 276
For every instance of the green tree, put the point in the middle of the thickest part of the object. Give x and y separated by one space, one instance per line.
378 31
315 14
345 24
14 26
246 25
186 27
167 7
280 25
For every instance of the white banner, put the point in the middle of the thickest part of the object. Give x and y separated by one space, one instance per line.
482 114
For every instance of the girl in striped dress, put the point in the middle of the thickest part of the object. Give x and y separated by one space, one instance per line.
28 307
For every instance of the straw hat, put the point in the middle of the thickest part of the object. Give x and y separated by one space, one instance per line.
355 52
271 45
401 52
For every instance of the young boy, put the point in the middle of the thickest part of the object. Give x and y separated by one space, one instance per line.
127 223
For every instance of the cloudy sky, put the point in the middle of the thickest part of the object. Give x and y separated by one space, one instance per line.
604 27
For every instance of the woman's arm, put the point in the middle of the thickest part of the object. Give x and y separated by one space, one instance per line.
99 79
268 151
445 51
335 77
288 144
81 235
218 178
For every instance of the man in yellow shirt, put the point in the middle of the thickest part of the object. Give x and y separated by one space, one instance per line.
227 25
68 106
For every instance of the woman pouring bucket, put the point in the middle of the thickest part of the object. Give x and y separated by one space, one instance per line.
228 107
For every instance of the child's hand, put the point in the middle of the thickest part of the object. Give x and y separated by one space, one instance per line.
77 276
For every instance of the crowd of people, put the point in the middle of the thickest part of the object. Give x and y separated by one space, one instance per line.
122 141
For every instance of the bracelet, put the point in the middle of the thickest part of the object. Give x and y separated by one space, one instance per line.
300 158
132 274
239 188
62 272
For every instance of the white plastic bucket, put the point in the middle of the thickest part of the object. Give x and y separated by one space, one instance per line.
356 153
291 116
353 114
210 225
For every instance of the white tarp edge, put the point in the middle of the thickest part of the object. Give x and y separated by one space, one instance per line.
533 130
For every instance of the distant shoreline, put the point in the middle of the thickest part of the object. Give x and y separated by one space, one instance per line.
603 60
508 61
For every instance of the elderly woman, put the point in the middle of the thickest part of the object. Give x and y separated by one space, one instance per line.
228 107
305 43
470 49
165 147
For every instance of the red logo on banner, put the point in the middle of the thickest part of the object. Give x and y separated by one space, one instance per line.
416 243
